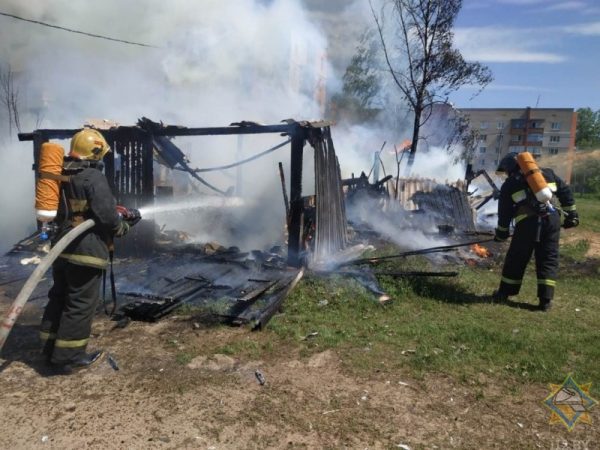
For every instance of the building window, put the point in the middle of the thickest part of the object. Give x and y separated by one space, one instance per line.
553 151
554 138
535 137
500 126
483 137
536 124
483 125
482 162
535 151
517 123
555 125
516 138
515 149
482 149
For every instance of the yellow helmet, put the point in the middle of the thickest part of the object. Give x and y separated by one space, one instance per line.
89 144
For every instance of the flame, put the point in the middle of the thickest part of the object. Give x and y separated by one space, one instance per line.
480 251
403 146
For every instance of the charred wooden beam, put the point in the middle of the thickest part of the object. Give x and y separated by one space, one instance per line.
255 293
171 131
261 320
296 203
415 274
286 201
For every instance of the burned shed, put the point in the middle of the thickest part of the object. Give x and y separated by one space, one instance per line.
237 286
316 226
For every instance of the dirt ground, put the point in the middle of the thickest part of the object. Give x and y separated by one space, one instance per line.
158 399
592 238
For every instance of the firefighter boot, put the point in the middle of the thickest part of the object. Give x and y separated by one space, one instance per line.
499 297
47 350
545 304
80 363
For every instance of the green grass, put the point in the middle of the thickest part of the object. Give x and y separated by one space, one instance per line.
183 358
444 325
589 213
576 250
450 326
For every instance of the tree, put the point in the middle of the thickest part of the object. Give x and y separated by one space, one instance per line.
357 101
9 98
462 133
588 128
426 67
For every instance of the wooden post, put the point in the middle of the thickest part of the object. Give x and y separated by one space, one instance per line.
238 171
296 204
109 165
286 201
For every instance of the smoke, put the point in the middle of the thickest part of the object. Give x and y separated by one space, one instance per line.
16 198
214 63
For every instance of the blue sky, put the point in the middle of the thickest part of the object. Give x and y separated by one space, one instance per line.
537 49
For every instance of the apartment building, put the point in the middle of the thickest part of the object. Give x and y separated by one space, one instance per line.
541 131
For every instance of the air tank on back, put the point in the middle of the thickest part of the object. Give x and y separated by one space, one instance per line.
47 188
535 178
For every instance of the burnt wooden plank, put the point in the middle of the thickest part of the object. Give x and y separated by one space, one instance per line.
296 203
172 131
257 292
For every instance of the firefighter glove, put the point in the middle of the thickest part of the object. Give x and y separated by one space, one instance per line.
132 217
500 235
571 220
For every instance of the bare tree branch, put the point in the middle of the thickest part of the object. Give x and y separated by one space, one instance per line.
387 57
9 98
434 68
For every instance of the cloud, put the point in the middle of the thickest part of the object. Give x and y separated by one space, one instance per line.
535 6
502 45
521 2
510 88
517 87
583 29
572 5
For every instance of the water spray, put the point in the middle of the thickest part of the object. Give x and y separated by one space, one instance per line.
206 202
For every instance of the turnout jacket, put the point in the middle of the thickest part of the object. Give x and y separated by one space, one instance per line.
87 195
518 201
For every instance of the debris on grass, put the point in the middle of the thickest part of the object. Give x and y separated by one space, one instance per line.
260 377
112 362
310 335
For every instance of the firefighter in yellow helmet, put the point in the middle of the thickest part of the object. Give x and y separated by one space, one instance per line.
88 144
77 272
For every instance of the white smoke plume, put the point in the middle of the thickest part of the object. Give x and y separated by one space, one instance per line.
214 63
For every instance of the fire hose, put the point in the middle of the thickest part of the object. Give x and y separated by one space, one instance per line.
34 279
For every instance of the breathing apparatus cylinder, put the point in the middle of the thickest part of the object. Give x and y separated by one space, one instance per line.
535 178
47 188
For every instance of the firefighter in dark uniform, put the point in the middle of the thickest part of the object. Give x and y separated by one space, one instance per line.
536 230
77 272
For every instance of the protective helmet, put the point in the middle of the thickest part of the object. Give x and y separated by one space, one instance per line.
508 164
89 144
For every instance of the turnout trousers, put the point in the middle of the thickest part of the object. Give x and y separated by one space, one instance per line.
67 320
519 253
